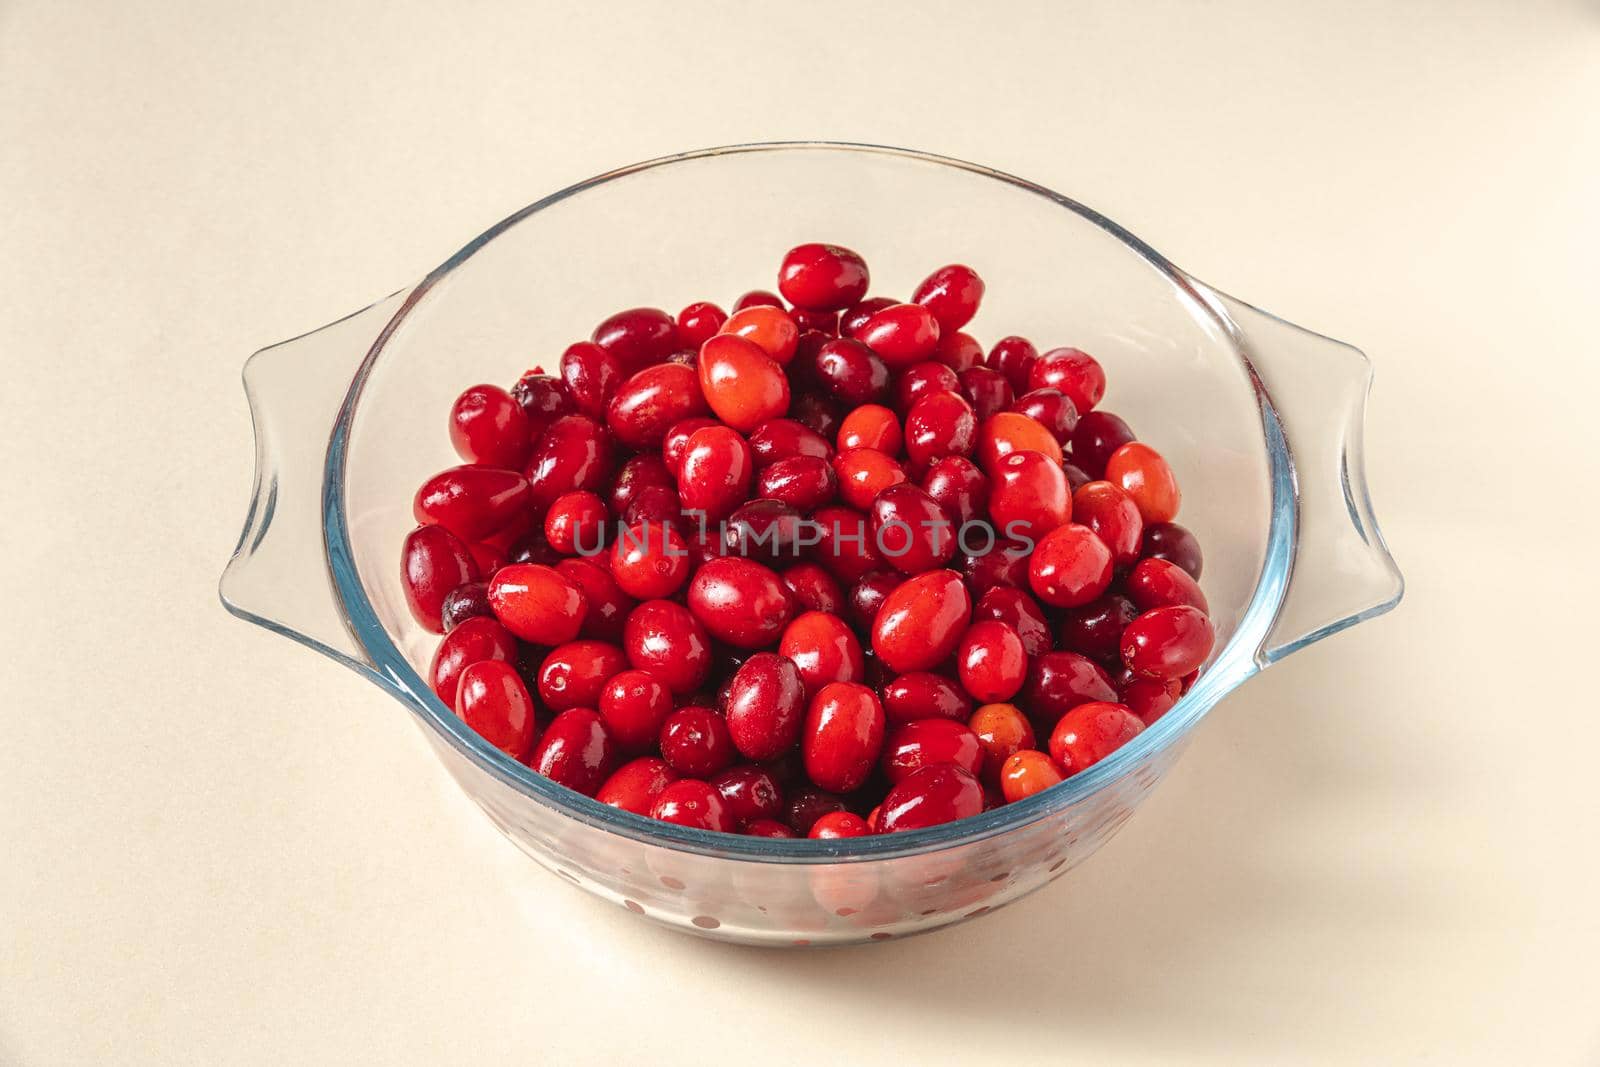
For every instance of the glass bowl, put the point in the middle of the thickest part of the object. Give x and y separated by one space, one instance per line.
1261 421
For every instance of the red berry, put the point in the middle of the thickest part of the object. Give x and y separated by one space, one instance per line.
574 453
591 375
1169 541
1141 473
1014 357
575 674
1002 730
537 603
822 277
1095 629
870 426
921 621
472 502
901 335
1076 373
664 638
771 329
633 705
576 524
940 424
952 294
1019 611
1060 681
823 649
1098 434
493 700
751 793
863 474
740 602
488 426
1167 643
1089 733
779 439
803 482
744 386
910 531
991 661
715 475
635 785
433 563
575 751
959 487
637 337
1028 496
698 323
1114 518
1010 432
932 796
650 560
914 745
691 802
695 742
471 642
837 825
842 736
608 604
1052 409
1071 566
650 403
765 705
767 828
1157 583
924 695
1028 772
813 588
987 390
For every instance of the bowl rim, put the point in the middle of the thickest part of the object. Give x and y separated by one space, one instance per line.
1236 663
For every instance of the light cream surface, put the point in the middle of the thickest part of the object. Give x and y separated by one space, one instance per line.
218 848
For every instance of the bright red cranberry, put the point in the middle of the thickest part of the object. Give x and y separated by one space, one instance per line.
1028 497
1027 772
543 399
1076 373
768 328
837 825
575 453
934 795
744 386
493 701
850 371
635 785
637 337
781 439
822 277
988 391
1060 681
1089 733
958 351
676 443
433 563
575 674
1002 563
1014 358
807 804
940 424
769 531
537 603
824 650
664 638
487 426
647 405
691 802
855 317
952 294
716 472
1141 473
767 828
924 695
591 375
1114 518
756 298
805 483
608 604
923 379
818 413
1095 629
766 703
991 661
576 524
1071 566
921 622
698 323
575 751
696 743
842 736
914 745
751 793
467 601
813 588
902 334
1169 541
1150 699
844 544
489 556
1052 409
633 705
1099 434
650 560
1157 583
656 505
475 640
472 502
870 426
957 485
645 471
1010 432
1167 643
1002 730
910 531
740 601
863 474
1019 611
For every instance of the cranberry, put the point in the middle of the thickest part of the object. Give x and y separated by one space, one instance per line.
914 745
817 413
1028 772
433 562
822 322
1095 629
1157 583
473 641
1002 730
1099 434
1052 409
910 531
637 337
868 594
837 825
768 328
488 556
716 472
751 793
575 453
1167 643
591 375
744 386
991 661
863 474
1145 476
655 505
803 482
870 426
842 736
923 695
824 650
901 334
493 701
822 277
537 603
543 399
952 294
633 705
699 322
934 795
767 828
923 379
676 443
780 439
575 674
766 530
921 621
1090 732
1169 541
646 471
959 487
650 560
855 317
1076 373
740 602
940 424
1076 477
1028 498
691 802
766 702
806 805
472 502
576 524
988 391
664 638
575 751
1060 681
1014 357
813 588
487 426
695 742
648 404
1019 611
958 351
1150 699
1002 563
844 543
635 785
758 298
1071 566
608 604
467 601
1114 518
1010 432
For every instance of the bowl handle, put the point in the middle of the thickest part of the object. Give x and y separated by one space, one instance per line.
1342 572
295 390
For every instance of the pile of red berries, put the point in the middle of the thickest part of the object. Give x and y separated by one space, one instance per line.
817 568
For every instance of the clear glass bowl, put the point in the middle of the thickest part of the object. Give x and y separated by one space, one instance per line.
1260 419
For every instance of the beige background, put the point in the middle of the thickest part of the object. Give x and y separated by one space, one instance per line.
217 848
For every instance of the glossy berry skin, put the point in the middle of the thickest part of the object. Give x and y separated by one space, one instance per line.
1167 643
433 563
806 804
805 483
870 426
574 675
958 351
923 379
921 622
1052 409
715 475
751 793
537 603
740 602
1002 730
1141 473
991 662
1089 733
1004 563
779 439
1028 772
543 399
656 505
768 328
696 743
820 413
489 427
492 699
1013 357
675 443
608 604
911 532
924 695
987 390
472 502
864 473
691 802
650 560
1095 629
914 745
576 524
635 785
664 638
1010 432
765 706
838 825
901 335
1028 496
769 531
952 294
932 796
850 371
1076 478
1114 518
844 544
644 471
574 453
824 650
855 317
1169 541
633 705
1157 583
1071 566
475 640
637 337
698 323
758 298
825 323
591 375
1058 682
647 405
940 424
1098 434
868 594
575 751
813 588
1020 612
823 277
1150 699
744 386
957 485
842 736
767 828
1074 372
464 602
